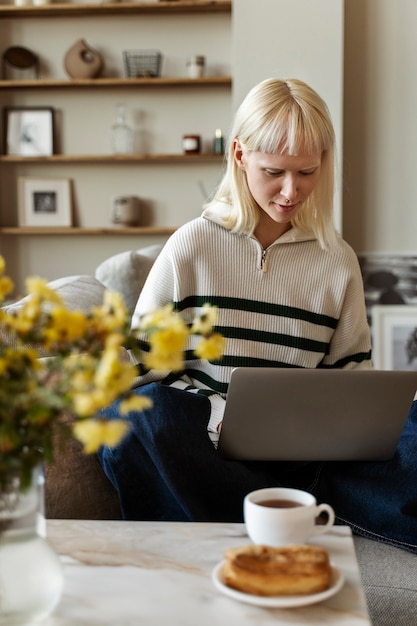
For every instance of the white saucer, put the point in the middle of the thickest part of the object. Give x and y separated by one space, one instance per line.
281 602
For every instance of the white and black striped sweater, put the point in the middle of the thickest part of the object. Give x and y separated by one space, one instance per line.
293 305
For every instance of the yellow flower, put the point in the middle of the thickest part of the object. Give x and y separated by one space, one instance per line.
173 362
165 317
205 321
112 371
211 348
6 286
39 286
135 403
82 379
85 370
94 433
167 349
111 315
86 403
66 326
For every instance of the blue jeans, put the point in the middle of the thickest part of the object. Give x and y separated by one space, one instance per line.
166 468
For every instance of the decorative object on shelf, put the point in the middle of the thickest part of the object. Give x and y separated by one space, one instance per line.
31 574
44 202
218 142
121 132
191 144
19 63
29 131
142 63
82 61
125 210
196 66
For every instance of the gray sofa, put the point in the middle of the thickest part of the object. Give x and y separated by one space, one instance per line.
76 487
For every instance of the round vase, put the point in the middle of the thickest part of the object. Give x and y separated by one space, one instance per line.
82 61
31 574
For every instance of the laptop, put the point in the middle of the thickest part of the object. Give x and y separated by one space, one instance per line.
282 414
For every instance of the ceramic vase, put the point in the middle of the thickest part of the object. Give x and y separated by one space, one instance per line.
82 61
31 575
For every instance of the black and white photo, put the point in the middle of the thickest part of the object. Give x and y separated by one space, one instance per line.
29 131
44 201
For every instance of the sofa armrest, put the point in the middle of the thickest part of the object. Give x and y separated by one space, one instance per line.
76 486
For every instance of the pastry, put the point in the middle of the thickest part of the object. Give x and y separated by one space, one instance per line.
267 571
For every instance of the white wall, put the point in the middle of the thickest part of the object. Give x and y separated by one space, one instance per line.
380 128
291 39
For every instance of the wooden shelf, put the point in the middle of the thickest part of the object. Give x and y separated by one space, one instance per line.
86 83
112 8
58 231
111 159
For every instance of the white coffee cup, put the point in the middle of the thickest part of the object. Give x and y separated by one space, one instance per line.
279 516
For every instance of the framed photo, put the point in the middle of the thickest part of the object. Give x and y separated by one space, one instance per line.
29 131
394 335
388 278
44 201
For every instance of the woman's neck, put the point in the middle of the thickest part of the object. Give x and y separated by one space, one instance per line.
267 233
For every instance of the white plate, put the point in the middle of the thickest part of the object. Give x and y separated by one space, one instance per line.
280 602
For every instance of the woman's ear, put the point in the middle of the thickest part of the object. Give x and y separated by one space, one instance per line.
238 153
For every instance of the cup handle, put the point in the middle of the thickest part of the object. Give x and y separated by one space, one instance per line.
319 529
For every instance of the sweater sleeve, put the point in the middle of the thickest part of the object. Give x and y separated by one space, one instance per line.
350 346
158 291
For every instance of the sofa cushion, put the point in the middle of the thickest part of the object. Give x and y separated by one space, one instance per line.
389 578
126 272
77 292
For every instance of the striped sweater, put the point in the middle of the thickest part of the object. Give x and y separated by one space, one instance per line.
292 305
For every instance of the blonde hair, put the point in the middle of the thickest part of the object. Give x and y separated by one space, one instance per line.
285 116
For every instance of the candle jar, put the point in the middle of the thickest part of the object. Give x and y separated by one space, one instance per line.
196 66
191 144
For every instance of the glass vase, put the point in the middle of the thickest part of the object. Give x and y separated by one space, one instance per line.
121 132
31 574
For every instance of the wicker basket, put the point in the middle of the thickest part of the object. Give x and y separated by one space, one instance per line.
142 63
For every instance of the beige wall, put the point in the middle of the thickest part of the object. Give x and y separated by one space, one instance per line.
380 128
374 109
290 39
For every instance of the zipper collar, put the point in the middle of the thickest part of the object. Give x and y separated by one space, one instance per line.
264 266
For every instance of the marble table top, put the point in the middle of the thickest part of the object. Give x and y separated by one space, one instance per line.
159 573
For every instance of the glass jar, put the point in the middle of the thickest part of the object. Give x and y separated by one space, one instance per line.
31 574
121 132
196 66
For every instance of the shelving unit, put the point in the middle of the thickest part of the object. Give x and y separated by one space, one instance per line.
113 159
134 83
177 178
64 231
116 8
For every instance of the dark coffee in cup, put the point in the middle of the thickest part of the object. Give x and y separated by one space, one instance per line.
276 503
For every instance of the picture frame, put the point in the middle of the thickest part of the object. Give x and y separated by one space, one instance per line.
29 131
44 201
389 278
394 337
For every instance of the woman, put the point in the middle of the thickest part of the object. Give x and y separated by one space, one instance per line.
289 293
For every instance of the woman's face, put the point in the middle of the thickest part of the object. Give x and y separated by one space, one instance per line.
279 183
